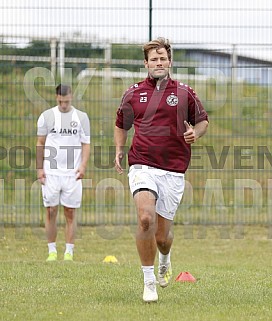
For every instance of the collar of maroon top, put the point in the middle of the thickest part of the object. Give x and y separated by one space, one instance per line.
152 82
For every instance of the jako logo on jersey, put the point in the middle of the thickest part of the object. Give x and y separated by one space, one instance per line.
68 131
64 131
172 100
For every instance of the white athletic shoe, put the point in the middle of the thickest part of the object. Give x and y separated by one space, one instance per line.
150 292
164 274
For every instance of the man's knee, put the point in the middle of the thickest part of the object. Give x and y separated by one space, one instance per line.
52 212
69 213
146 221
163 239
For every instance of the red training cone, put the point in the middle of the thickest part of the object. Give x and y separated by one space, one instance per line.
185 277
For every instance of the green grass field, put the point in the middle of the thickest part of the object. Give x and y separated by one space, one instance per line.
233 278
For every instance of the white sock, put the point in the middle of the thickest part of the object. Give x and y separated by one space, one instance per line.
52 247
164 259
69 248
148 273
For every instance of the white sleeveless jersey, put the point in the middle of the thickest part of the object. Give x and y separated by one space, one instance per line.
65 132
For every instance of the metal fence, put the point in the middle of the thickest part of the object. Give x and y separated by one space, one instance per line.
228 182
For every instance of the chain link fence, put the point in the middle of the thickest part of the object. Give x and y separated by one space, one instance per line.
228 182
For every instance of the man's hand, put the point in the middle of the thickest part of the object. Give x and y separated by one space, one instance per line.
80 172
41 176
120 138
190 134
118 160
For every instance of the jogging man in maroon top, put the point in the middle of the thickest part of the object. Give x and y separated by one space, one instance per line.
167 117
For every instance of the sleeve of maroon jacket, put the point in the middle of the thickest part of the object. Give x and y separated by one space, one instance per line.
196 111
125 114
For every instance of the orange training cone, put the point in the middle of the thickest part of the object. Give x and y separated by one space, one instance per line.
185 277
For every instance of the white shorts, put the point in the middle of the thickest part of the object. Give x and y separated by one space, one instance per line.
64 190
167 186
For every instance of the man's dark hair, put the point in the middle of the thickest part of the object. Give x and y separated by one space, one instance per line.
63 90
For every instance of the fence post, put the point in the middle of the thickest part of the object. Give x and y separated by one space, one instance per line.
61 59
53 46
234 61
